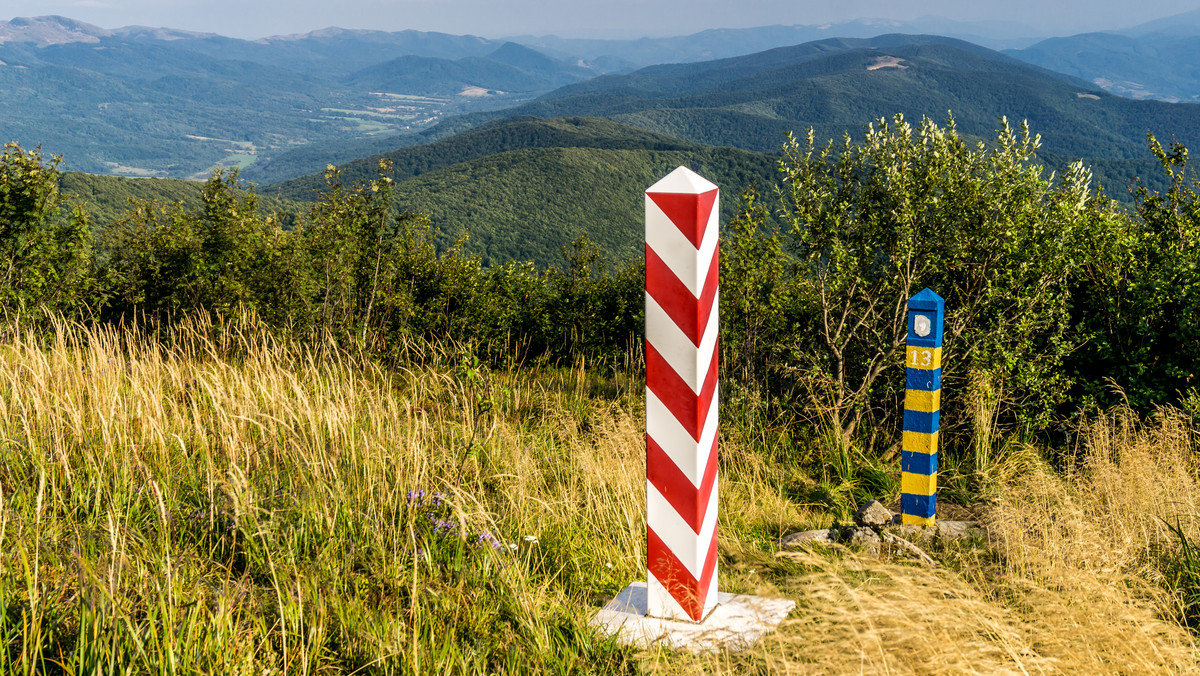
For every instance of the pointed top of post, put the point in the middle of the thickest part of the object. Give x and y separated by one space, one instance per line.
683 180
926 299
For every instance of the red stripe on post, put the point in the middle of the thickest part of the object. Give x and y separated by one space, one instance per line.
688 407
691 502
690 593
689 313
672 391
688 211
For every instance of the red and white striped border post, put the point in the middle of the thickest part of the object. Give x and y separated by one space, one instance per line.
681 396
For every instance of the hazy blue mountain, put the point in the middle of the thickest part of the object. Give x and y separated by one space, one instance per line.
147 101
335 52
1164 65
1185 24
511 68
838 86
331 51
49 30
157 102
626 55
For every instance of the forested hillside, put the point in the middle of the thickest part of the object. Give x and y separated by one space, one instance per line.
109 198
833 86
517 133
524 189
145 102
530 204
838 86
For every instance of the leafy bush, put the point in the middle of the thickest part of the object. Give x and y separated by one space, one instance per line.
45 261
1138 302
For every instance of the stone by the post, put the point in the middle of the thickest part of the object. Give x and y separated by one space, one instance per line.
922 408
872 514
681 395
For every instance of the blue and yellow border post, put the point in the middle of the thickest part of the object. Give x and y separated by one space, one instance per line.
922 406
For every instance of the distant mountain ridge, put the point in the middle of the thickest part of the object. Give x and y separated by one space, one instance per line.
161 102
1163 66
158 102
511 68
719 43
838 86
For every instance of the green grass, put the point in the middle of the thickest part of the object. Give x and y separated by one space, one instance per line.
213 501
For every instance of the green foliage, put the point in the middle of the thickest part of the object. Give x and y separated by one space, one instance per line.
221 257
107 198
45 261
1182 571
1139 303
363 275
869 224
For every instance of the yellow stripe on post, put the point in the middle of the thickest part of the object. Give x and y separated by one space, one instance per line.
923 400
923 357
914 520
920 442
918 484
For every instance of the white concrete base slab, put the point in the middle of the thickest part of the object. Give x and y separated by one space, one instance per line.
737 622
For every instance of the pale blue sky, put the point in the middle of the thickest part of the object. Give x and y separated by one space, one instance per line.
579 18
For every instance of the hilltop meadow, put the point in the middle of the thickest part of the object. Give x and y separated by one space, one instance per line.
244 438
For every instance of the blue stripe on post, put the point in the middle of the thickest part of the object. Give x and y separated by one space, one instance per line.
926 380
920 421
918 463
921 506
926 312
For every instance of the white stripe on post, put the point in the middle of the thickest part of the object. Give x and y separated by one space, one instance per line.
682 268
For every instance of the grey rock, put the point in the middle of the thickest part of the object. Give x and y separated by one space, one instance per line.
950 530
872 514
822 536
942 530
862 536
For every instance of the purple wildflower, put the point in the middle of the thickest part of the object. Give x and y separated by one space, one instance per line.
486 538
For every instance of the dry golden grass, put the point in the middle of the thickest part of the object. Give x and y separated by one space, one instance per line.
217 502
1067 581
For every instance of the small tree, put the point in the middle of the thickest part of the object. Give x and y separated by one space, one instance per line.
222 258
1139 302
45 257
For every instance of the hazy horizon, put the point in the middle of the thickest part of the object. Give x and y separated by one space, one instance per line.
586 19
